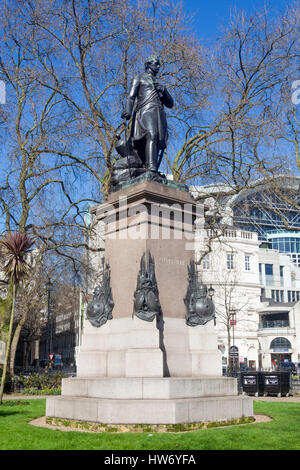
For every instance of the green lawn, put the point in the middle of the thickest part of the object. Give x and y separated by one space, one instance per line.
282 433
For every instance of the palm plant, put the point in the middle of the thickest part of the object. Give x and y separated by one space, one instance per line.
14 248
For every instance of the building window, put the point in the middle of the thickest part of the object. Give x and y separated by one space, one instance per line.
277 295
281 296
281 275
205 262
260 273
247 262
230 261
280 343
275 320
293 296
269 269
273 294
281 270
269 274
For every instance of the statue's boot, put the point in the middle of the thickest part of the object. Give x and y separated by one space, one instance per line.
151 154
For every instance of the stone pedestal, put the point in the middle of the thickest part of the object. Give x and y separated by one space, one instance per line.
156 218
130 347
149 401
135 371
123 347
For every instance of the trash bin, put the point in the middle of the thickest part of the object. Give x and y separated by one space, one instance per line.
277 383
252 383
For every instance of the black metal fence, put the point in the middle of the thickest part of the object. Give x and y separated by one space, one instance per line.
68 370
16 384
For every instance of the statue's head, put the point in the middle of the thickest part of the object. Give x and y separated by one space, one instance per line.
153 63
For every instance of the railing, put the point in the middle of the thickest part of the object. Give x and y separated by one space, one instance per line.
231 233
247 235
66 370
274 324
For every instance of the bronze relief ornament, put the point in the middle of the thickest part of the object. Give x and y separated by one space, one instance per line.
99 310
146 304
200 308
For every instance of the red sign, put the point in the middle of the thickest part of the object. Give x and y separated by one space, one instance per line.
232 322
51 356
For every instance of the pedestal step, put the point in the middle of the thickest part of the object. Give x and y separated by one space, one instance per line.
168 400
138 388
171 411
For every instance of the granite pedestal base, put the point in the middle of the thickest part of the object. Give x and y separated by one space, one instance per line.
149 400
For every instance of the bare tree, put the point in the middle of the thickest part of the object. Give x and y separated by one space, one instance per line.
230 310
256 59
80 57
68 65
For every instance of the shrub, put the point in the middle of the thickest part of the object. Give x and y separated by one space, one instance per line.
43 391
44 384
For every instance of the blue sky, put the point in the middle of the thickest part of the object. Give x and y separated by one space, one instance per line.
210 15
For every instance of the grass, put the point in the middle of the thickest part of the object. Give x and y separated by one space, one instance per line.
282 433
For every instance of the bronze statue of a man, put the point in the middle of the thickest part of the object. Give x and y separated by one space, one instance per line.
149 132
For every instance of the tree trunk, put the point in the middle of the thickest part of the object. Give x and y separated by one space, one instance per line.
5 310
5 367
15 340
228 346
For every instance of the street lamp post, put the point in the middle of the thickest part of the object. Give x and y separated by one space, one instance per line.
211 292
49 286
234 350
233 323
